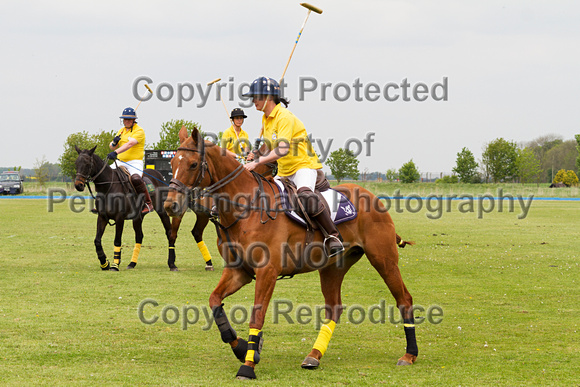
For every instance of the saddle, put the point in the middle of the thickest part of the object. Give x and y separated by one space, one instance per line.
340 207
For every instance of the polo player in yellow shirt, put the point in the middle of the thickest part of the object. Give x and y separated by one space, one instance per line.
235 139
129 146
286 141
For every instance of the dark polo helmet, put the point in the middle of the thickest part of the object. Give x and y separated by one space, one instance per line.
237 112
129 113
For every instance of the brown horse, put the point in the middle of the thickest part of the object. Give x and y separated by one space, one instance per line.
265 247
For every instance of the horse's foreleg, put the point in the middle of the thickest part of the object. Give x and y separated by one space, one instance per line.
101 226
197 232
138 228
230 282
265 283
119 223
172 237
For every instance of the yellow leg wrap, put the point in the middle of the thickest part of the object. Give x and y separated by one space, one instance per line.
136 251
204 251
324 336
250 354
117 254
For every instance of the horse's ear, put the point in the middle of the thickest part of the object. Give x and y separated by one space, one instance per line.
183 134
195 134
92 150
78 149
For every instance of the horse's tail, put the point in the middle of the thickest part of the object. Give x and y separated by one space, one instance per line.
401 243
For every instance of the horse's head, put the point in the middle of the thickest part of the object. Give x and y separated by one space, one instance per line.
84 166
189 166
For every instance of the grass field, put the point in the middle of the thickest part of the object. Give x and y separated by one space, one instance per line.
508 288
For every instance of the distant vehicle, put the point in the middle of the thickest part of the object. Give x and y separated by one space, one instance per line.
11 183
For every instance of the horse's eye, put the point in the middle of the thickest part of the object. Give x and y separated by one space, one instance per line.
193 166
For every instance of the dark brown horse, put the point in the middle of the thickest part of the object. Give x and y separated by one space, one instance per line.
115 203
265 248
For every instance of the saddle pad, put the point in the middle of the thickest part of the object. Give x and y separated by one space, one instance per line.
341 209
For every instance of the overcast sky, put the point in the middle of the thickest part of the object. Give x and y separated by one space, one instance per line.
511 67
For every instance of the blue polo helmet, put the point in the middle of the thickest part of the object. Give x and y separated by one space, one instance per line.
263 86
129 113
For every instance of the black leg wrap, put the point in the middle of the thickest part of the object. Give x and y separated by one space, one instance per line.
246 372
411 339
228 333
241 349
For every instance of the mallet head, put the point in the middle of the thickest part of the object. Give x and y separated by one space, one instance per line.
311 7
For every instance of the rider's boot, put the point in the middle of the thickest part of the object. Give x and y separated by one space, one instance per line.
333 240
317 211
141 189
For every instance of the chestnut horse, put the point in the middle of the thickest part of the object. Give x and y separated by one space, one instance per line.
264 247
117 206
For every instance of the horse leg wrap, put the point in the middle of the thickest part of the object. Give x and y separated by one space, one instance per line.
221 319
171 253
324 336
136 251
246 372
409 325
204 251
255 343
102 256
241 349
117 255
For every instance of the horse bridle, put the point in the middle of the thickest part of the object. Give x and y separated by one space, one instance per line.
179 186
88 178
199 193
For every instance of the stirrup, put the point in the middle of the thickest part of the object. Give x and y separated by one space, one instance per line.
148 208
330 253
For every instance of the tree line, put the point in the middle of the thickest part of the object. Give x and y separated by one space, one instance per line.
546 159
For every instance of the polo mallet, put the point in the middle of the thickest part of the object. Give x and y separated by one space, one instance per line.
310 8
221 98
151 91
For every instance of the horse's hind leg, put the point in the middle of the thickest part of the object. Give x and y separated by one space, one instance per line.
138 228
101 226
200 224
384 259
331 278
230 282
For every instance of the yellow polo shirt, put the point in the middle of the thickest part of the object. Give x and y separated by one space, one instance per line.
137 151
234 143
283 126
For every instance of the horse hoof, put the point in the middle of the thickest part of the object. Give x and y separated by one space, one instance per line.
106 266
173 269
131 266
209 268
114 268
310 363
245 373
406 360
